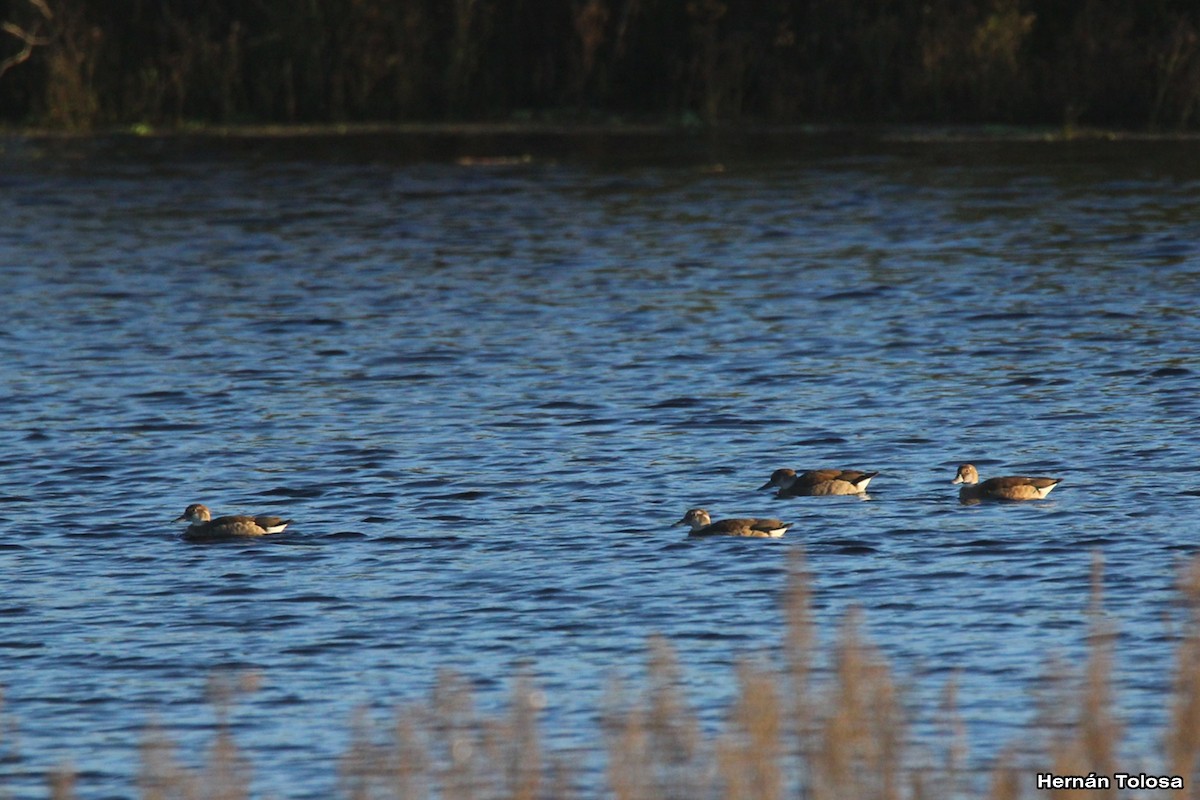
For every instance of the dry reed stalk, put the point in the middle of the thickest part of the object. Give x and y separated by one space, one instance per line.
849 730
1088 742
655 747
750 754
1182 739
162 777
356 767
799 634
953 767
225 775
454 736
843 736
522 749
399 768
625 742
62 784
1101 731
675 738
863 727
799 643
405 763
447 749
1006 779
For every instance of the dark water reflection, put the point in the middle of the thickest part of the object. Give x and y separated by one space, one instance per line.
484 393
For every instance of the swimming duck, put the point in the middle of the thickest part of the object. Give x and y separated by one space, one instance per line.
818 482
1016 487
702 525
203 526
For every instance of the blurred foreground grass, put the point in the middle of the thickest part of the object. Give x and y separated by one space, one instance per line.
793 730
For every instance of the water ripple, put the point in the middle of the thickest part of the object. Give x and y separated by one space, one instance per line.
484 398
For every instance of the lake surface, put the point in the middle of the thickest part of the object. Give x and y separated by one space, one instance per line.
484 391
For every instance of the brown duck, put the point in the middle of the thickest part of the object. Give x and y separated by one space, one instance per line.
1015 487
818 482
203 526
702 525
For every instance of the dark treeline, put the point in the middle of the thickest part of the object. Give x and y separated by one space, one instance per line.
76 64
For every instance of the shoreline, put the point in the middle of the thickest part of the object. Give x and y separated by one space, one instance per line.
862 132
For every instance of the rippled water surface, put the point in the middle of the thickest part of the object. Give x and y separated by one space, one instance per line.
484 392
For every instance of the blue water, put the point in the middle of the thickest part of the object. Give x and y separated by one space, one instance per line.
484 393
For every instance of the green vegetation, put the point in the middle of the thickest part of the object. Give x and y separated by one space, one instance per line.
804 726
75 64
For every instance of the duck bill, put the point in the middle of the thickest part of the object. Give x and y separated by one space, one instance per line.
681 522
767 485
957 479
180 518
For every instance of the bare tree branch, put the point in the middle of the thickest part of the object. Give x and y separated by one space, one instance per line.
29 38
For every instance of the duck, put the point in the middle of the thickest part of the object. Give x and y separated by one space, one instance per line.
818 482
203 526
1015 487
702 525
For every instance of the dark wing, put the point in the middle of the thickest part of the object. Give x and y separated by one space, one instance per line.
767 525
1042 483
855 476
817 476
1014 481
725 527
